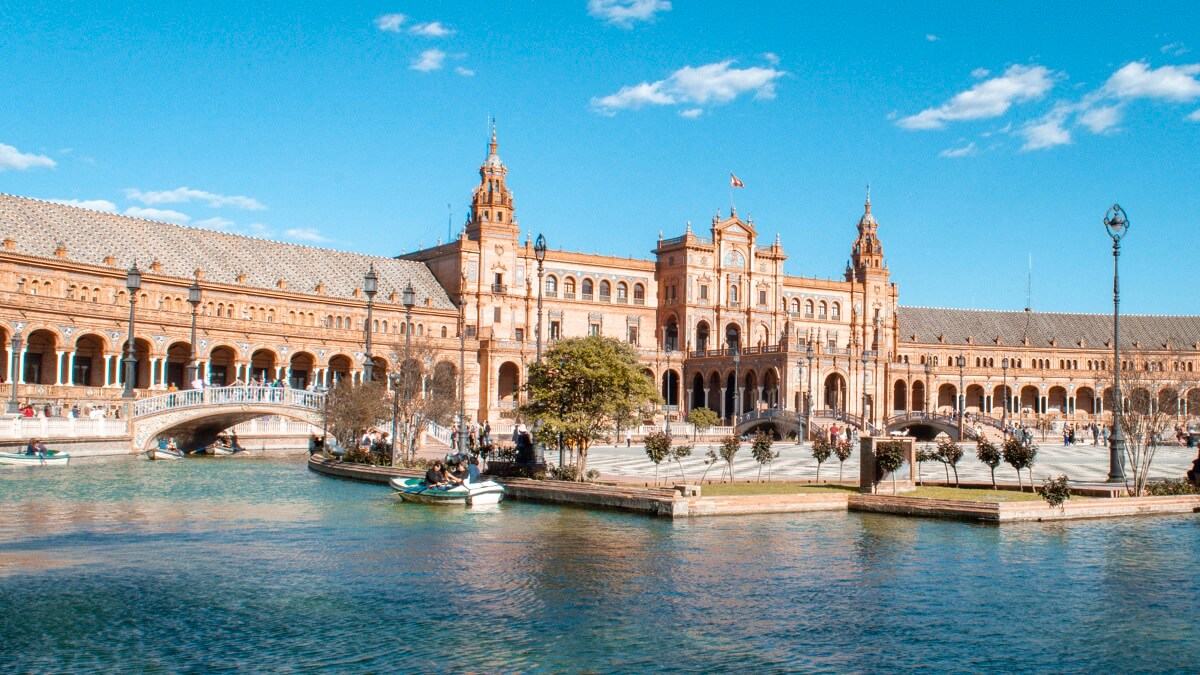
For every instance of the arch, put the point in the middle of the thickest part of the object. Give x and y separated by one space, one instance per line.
730 398
716 402
263 364
670 387
734 258
300 370
1056 400
586 289
900 396
179 354
1085 400
770 388
1168 402
639 294
1029 398
89 361
796 306
41 357
947 398
823 310
1001 399
919 395
605 290
733 335
141 365
834 392
508 383
808 309
569 287
702 336
1140 401
445 381
1193 402
380 368
836 312
622 292
762 335
670 334
340 367
698 400
975 401
551 289
222 365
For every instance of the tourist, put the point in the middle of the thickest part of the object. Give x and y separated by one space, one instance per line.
485 434
628 438
35 447
473 472
524 445
435 477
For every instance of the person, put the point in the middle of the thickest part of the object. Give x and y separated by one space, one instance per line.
35 447
629 438
457 474
472 470
485 435
435 476
171 445
524 445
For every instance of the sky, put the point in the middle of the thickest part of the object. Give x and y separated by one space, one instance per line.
994 137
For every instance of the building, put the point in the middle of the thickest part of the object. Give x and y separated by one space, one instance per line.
716 320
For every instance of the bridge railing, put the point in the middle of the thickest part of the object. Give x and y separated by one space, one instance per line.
297 398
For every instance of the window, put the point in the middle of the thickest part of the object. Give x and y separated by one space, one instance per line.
594 329
588 286
471 332
495 315
633 335
443 331
552 286
605 291
569 288
823 311
762 298
639 294
519 334
808 309
622 292
555 330
733 295
703 291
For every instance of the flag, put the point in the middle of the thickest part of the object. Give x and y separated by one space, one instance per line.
734 181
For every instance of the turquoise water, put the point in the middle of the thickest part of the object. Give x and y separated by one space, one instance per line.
259 565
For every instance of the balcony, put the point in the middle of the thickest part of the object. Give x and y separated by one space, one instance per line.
734 304
500 289
639 301
568 295
585 296
624 300
605 298
551 294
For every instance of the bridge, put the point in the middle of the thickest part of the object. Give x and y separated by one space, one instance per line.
920 425
196 417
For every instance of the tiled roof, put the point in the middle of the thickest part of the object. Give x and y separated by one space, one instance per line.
39 227
955 326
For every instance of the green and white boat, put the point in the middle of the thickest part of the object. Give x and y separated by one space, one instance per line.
48 458
469 494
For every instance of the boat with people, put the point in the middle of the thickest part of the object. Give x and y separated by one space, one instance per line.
46 458
416 490
222 447
166 449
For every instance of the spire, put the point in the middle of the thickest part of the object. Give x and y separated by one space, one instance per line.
689 227
867 205
491 200
493 158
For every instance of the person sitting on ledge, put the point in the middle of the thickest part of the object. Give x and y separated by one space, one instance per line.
435 477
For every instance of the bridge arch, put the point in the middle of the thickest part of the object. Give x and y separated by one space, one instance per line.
195 417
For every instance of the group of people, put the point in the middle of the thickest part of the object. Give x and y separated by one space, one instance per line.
98 412
843 434
459 470
35 448
479 438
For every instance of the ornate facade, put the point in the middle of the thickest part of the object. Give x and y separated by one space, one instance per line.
716 320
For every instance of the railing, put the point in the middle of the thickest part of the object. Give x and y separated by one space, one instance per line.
568 295
61 427
441 433
605 298
297 398
500 289
639 301
585 296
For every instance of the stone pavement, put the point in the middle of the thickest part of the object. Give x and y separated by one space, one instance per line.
1082 463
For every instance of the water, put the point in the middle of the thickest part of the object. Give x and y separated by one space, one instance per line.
259 565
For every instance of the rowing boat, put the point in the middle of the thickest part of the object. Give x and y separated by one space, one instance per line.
470 494
48 458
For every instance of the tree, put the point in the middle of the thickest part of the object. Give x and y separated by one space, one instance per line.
679 453
728 450
843 450
709 459
889 456
950 454
355 409
658 448
702 419
1020 454
1055 491
821 451
989 453
1151 393
426 391
924 454
582 386
760 450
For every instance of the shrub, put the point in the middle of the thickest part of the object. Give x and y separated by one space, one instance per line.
760 449
1055 491
729 449
889 456
822 450
924 454
679 453
1020 455
1170 486
843 450
658 448
989 453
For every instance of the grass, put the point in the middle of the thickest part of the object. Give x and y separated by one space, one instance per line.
974 495
772 488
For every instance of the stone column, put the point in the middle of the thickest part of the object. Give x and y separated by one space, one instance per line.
724 413
58 361
21 363
71 368
153 383
105 358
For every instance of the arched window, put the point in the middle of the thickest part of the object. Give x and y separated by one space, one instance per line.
587 289
734 258
639 294
443 331
808 309
605 291
733 293
552 286
837 311
569 288
796 306
622 292
823 310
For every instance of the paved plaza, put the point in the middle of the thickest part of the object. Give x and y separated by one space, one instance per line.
1083 463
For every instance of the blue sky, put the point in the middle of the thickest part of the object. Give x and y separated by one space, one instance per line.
990 134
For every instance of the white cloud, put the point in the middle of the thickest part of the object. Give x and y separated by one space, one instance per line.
1172 83
930 37
980 73
465 72
1048 131
183 195
1175 49
1102 119
433 29
965 151
771 58
93 204
390 22
305 234
215 223
695 85
990 98
430 59
157 214
624 12
1194 117
691 113
11 158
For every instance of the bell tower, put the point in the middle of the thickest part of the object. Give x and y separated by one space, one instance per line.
491 201
866 258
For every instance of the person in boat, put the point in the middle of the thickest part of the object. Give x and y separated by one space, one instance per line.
457 474
35 447
435 476
171 446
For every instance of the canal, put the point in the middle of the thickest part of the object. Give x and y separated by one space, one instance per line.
258 565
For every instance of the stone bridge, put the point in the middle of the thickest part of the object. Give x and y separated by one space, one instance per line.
918 425
926 427
195 417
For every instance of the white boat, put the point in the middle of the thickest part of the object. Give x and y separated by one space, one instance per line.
50 458
159 453
469 494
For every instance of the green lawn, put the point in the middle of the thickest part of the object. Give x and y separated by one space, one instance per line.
974 495
773 488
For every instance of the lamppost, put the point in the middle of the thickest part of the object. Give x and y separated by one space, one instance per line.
193 300
808 397
370 287
667 407
962 395
928 383
1117 225
409 298
396 380
731 343
462 374
14 407
1004 393
865 359
539 252
133 281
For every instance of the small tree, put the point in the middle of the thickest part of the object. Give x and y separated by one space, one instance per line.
1055 491
679 453
989 453
822 450
658 448
355 409
924 454
889 456
843 450
728 450
709 459
760 449
950 454
1020 455
702 419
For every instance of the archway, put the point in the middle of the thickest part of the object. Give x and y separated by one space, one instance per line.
918 396
751 394
222 362
141 365
698 398
41 358
1029 399
1001 400
1168 402
900 396
733 336
1193 403
716 402
1085 400
1056 400
975 402
508 381
835 392
702 336
178 355
1139 401
380 369
89 361
262 366
670 387
770 388
670 335
300 370
340 367
730 396
946 401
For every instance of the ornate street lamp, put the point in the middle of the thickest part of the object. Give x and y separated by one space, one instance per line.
962 395
1117 225
731 342
194 298
396 380
808 397
1004 393
667 407
370 287
14 407
133 281
409 298
865 360
928 384
462 373
539 252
